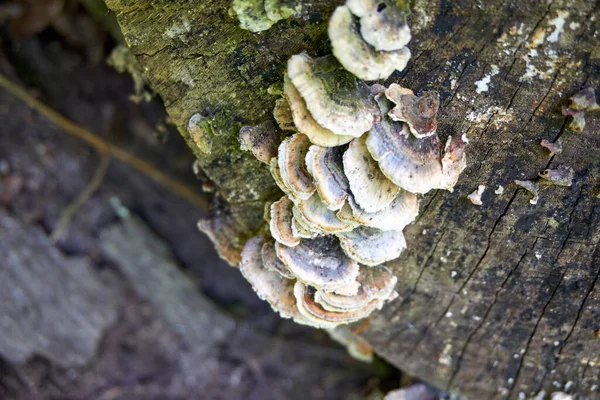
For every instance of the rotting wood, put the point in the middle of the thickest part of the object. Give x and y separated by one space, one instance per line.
496 300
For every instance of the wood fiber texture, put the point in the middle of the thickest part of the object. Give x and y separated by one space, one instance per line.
495 300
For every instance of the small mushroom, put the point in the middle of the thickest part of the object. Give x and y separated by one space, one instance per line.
262 140
418 112
382 23
357 347
584 100
281 222
475 197
561 176
375 283
291 155
554 148
414 164
319 262
220 231
325 166
276 174
356 55
269 285
323 318
371 189
272 262
304 121
335 98
283 115
577 124
315 214
401 211
370 246
531 188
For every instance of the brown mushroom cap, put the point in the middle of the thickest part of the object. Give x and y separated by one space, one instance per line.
325 165
283 115
370 188
318 217
355 345
335 98
304 121
419 113
269 285
356 55
375 283
414 164
319 262
402 211
323 318
291 155
281 222
272 262
382 22
219 230
262 140
370 246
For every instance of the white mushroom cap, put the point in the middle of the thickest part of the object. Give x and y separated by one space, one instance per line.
370 188
356 55
269 285
419 113
262 140
370 246
335 98
411 163
283 115
382 23
402 211
323 318
314 213
319 262
375 283
304 121
291 160
281 222
276 174
272 262
325 165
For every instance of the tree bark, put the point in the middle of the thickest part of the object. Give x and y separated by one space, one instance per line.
496 300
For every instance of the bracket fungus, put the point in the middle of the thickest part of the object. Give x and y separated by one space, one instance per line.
350 171
358 56
335 98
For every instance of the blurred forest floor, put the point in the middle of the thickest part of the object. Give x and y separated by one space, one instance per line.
107 289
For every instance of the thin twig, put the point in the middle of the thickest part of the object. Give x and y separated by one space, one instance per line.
102 145
80 200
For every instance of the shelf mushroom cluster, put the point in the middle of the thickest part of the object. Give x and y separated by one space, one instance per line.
350 159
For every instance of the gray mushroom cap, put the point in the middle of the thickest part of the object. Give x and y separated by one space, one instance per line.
262 140
414 164
370 246
325 166
402 211
280 223
315 214
420 113
323 318
375 283
356 55
335 98
371 189
269 285
304 121
272 262
292 168
382 22
319 262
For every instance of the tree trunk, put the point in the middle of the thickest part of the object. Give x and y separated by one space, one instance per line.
495 300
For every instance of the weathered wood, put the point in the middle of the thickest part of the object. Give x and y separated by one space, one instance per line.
496 300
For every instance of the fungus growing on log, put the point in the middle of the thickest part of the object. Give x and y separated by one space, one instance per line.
370 246
420 113
561 176
292 168
280 223
325 166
